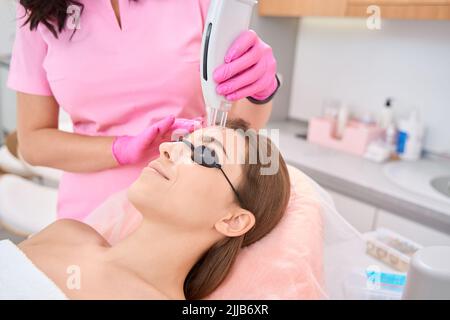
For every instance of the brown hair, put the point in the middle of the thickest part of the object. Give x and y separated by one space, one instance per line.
51 13
266 196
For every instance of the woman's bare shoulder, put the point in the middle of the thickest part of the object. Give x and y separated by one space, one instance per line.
67 231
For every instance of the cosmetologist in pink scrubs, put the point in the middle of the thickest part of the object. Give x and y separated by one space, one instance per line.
126 74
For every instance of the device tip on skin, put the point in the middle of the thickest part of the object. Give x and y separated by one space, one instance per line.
217 118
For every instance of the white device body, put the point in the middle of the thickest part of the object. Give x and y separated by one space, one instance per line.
226 20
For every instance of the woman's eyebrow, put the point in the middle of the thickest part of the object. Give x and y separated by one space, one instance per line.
208 139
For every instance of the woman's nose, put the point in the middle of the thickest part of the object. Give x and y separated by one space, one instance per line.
165 151
172 151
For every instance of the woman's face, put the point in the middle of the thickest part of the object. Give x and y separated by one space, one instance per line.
175 190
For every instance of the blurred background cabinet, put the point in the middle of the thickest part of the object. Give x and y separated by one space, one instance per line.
411 229
402 9
359 214
298 8
390 9
365 218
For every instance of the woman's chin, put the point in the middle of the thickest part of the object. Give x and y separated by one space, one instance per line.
140 193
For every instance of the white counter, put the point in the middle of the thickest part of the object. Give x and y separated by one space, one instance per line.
358 178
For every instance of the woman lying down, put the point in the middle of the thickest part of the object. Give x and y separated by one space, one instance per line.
201 201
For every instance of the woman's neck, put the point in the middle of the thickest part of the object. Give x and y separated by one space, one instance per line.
160 255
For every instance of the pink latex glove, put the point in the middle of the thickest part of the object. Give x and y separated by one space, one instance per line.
132 149
249 70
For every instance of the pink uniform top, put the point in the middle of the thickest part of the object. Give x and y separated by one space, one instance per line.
114 81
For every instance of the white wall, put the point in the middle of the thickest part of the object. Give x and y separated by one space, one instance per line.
408 60
7 97
280 34
7 16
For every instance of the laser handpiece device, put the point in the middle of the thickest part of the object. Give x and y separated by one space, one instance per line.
226 20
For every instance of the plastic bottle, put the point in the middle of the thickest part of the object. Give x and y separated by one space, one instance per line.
342 120
386 115
391 138
410 137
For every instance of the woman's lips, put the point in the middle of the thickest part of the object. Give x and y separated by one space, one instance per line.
156 166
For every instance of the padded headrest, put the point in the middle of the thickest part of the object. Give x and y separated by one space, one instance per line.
287 263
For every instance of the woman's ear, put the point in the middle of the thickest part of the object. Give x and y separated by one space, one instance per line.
237 223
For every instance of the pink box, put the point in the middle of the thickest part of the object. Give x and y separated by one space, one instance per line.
355 139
